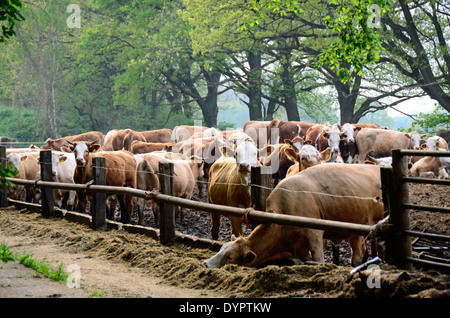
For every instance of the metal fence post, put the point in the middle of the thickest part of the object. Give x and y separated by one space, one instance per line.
48 200
401 242
99 199
166 210
3 188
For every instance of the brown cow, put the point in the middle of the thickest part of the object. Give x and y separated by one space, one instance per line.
130 137
338 192
186 173
380 142
117 139
431 167
278 160
56 144
138 147
286 130
28 166
159 135
229 184
120 171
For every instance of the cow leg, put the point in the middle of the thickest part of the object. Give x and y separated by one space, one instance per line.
215 225
315 242
335 253
126 206
359 249
236 226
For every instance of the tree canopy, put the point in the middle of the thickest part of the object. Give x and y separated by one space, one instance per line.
150 64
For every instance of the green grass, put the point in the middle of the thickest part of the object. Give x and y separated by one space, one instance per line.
56 274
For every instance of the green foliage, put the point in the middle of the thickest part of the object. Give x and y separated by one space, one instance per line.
5 254
8 172
9 15
430 123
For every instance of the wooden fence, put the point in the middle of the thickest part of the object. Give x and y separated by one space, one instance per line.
396 197
396 232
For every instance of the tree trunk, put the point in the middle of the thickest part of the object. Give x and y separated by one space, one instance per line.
254 86
290 94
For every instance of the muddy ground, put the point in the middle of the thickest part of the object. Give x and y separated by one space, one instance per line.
115 263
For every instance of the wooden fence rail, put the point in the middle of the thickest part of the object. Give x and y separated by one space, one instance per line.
396 232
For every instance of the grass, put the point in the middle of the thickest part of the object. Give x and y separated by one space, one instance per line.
56 274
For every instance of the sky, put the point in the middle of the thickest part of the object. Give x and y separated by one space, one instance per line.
414 106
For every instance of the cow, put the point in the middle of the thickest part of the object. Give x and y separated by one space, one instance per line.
130 137
120 171
207 133
184 132
257 130
233 139
107 143
309 156
138 147
383 162
431 167
347 147
435 143
208 149
63 166
380 142
278 160
56 144
185 176
32 148
324 136
118 139
338 192
229 179
159 135
286 130
27 165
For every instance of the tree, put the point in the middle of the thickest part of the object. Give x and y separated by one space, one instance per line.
9 14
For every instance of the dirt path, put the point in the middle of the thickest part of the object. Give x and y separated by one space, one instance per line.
56 242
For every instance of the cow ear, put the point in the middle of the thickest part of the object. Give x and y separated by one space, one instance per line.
94 148
326 135
291 154
23 158
308 142
288 141
357 129
423 136
407 135
343 136
326 154
249 257
62 159
65 149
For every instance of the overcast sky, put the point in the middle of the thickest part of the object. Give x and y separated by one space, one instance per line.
413 107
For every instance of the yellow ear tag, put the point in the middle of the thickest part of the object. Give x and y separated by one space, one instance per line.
94 150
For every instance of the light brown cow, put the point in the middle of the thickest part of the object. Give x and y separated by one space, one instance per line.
257 130
118 138
186 174
107 144
184 132
28 166
138 147
309 156
380 142
431 167
120 171
159 135
130 137
229 184
278 160
56 144
324 136
338 192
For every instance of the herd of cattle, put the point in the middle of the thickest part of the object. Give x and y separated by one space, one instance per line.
318 170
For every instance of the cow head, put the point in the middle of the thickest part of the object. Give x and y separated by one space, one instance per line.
246 156
334 137
296 142
415 139
350 131
81 151
57 158
235 252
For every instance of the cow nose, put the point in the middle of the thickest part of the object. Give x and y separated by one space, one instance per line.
80 161
244 167
335 149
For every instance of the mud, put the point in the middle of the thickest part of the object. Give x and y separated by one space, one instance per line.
133 265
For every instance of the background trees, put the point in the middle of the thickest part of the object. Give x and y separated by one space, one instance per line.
150 64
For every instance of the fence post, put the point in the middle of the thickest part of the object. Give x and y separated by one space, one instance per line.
401 242
166 211
48 200
3 189
260 194
99 199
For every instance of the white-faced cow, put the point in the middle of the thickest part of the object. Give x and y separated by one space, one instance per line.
120 171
